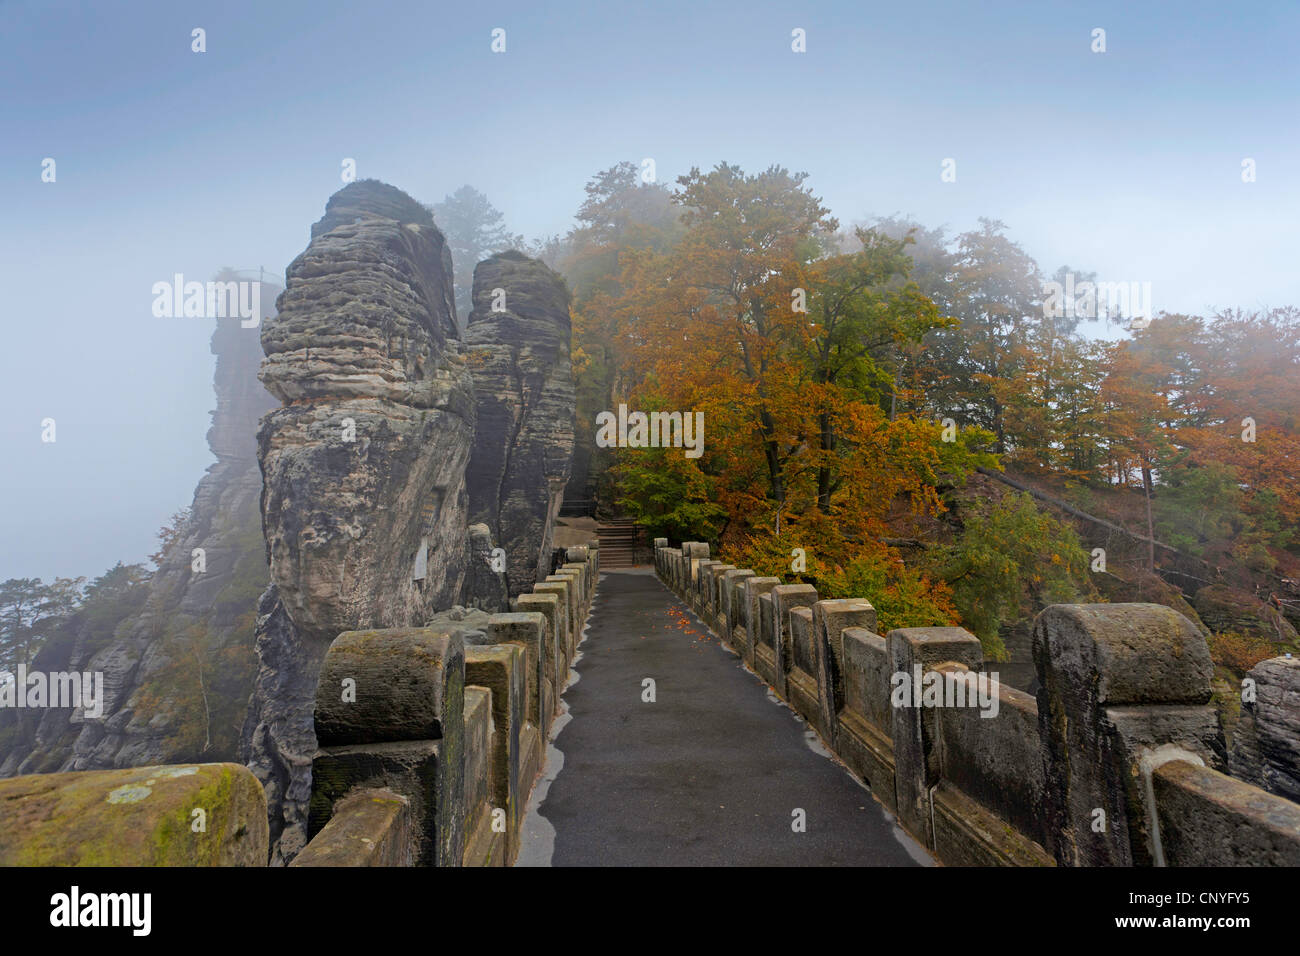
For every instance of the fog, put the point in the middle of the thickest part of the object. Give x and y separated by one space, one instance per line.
1126 163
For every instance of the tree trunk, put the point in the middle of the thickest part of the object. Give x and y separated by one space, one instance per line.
824 470
1151 528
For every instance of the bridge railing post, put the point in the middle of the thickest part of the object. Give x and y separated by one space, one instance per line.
1117 681
135 816
502 669
733 606
407 735
830 618
784 598
695 552
699 588
528 630
913 652
713 589
551 648
1266 741
564 590
756 589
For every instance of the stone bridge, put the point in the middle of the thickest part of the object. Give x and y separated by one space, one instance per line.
720 718
416 701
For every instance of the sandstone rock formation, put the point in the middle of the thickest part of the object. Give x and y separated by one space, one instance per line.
149 662
357 481
486 588
1266 742
367 500
517 342
364 503
1227 609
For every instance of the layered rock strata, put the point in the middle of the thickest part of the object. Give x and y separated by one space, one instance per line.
1266 743
364 504
517 344
190 615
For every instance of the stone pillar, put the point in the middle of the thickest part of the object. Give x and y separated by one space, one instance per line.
698 588
712 584
694 552
582 558
564 634
368 828
830 618
915 763
576 574
754 587
390 713
733 602
528 630
583 576
1116 682
785 597
555 666
501 669
135 816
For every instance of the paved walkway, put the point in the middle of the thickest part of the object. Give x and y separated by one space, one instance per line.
707 775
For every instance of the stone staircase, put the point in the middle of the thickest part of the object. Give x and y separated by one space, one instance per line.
618 544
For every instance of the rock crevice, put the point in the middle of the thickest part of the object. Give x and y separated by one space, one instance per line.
518 343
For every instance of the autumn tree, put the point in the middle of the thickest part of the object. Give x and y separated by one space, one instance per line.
720 304
169 534
861 318
995 291
1008 563
29 610
621 214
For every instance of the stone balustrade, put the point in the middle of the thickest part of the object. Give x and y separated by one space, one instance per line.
458 732
1120 760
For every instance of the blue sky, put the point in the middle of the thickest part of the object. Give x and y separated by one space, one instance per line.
1126 163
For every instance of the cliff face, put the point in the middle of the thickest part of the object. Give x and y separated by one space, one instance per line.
1266 742
351 496
185 634
364 504
523 382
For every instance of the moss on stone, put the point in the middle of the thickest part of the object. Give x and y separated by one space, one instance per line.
137 817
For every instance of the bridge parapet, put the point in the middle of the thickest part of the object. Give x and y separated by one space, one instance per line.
481 712
367 828
428 751
1118 760
1118 681
390 713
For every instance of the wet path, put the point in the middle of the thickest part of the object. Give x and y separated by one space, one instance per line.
709 774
